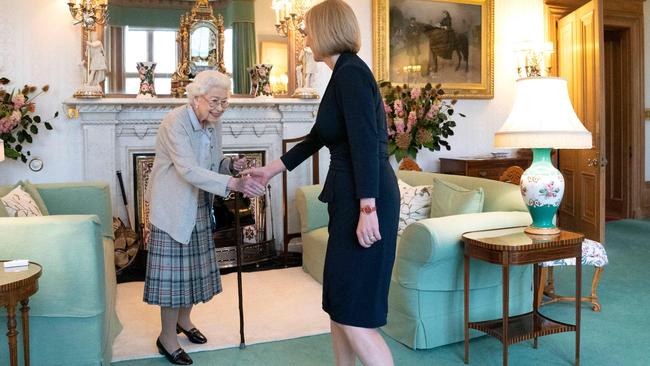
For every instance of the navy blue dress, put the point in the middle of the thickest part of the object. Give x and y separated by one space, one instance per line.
352 124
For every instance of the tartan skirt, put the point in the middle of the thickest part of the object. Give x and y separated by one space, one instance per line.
181 275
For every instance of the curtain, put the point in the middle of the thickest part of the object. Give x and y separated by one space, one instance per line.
243 55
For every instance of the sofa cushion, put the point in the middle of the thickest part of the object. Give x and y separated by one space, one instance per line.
451 199
415 204
23 200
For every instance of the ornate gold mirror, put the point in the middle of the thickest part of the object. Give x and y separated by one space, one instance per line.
200 40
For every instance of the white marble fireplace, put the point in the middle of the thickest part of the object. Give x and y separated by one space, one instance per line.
114 129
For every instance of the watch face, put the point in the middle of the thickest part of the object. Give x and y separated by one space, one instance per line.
36 164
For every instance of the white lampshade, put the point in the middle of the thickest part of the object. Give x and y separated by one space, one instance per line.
542 117
2 150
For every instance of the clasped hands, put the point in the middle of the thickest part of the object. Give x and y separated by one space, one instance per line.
252 181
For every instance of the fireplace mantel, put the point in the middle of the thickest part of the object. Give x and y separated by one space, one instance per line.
114 129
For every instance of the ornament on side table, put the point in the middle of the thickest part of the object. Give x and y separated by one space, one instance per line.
146 73
260 80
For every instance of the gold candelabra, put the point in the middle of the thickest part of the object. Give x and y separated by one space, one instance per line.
289 14
88 13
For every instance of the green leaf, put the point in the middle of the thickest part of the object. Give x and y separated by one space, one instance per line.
462 115
37 119
21 137
56 114
4 81
48 126
399 155
450 111
33 129
28 138
11 153
23 158
19 147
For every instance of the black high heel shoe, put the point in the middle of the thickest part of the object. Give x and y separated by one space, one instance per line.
194 335
178 357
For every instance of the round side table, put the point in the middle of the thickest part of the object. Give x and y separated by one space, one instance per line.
17 285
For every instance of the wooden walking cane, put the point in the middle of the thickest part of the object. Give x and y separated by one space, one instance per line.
242 341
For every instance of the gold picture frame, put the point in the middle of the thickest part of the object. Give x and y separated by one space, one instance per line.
422 26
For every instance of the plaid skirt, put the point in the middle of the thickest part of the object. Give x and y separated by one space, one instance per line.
180 275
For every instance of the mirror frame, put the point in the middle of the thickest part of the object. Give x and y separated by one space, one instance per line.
200 15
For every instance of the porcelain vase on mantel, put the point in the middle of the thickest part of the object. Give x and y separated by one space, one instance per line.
260 75
146 73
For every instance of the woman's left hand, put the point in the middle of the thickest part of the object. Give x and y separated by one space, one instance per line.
368 229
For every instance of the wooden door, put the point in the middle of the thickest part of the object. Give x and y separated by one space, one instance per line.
580 61
618 120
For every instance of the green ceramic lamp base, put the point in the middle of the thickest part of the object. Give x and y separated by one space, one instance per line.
542 188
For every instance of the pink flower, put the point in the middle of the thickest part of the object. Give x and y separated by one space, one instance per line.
7 124
399 107
16 116
18 100
267 89
399 125
31 107
387 108
415 93
411 121
433 111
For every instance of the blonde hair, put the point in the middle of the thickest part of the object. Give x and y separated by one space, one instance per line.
206 80
333 28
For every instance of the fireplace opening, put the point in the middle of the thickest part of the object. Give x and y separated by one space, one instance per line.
257 244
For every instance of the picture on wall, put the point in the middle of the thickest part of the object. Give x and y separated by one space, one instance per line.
448 42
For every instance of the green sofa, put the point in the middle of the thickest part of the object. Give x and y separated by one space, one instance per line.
72 317
425 302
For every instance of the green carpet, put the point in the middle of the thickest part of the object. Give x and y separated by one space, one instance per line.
618 335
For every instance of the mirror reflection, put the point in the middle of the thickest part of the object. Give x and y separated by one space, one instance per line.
146 30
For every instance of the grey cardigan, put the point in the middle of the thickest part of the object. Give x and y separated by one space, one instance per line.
176 177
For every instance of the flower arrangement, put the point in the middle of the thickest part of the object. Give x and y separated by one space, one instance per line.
18 124
416 118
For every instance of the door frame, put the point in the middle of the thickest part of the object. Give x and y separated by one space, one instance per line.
623 15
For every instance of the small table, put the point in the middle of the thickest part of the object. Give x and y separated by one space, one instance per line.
18 285
514 247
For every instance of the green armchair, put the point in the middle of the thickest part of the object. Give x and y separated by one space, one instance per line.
425 301
72 316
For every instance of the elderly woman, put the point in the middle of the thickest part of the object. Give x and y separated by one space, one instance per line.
188 170
360 190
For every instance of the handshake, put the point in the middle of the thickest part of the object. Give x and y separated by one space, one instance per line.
251 181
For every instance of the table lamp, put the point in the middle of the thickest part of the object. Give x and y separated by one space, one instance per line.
542 118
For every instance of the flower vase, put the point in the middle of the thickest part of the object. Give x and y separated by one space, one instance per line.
260 80
146 73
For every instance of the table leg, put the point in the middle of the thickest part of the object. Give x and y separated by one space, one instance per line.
24 315
466 295
506 314
578 305
11 334
536 286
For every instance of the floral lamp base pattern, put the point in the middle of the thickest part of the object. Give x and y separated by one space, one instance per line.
146 73
542 188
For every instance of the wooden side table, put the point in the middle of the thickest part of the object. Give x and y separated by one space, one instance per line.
17 286
482 167
514 247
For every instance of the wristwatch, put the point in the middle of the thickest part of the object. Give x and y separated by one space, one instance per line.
368 210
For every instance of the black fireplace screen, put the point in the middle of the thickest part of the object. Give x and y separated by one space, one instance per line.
223 207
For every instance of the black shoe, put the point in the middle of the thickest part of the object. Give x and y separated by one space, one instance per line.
178 357
194 335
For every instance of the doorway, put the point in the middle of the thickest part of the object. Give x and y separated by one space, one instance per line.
618 148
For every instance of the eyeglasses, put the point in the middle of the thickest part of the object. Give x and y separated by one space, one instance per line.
213 103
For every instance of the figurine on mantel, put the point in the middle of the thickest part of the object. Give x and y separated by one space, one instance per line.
95 71
306 75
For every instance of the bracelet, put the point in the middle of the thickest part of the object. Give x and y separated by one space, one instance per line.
368 210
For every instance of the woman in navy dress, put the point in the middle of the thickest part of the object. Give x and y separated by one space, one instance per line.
360 190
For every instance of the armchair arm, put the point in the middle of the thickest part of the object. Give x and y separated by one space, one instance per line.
71 251
430 244
312 212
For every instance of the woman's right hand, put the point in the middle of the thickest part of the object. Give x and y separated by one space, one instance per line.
264 174
247 185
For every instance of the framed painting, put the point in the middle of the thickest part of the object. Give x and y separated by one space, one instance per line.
448 42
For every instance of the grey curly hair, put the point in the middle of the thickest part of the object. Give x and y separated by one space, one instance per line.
206 80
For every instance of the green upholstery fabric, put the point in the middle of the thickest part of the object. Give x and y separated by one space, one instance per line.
73 320
425 301
452 199
87 198
313 213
